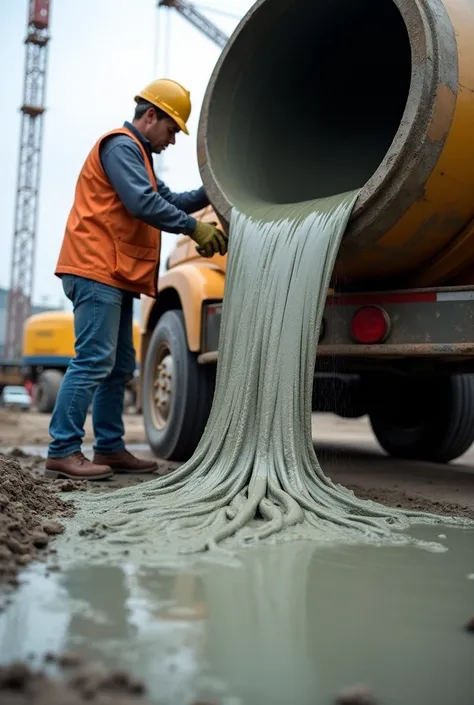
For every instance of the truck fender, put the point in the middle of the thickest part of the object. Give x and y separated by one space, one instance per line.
194 283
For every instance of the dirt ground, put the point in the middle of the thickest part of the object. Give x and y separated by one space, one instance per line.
347 450
31 506
31 428
29 509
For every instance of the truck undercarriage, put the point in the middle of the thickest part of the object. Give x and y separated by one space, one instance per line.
405 358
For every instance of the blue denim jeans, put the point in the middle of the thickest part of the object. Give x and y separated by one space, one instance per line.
104 362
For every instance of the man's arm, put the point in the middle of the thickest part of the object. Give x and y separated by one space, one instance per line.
122 161
188 201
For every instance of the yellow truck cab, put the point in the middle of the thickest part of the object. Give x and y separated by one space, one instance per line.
179 340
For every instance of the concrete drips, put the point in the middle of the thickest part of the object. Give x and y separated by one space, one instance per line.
255 475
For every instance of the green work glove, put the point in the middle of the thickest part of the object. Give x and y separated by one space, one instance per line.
209 239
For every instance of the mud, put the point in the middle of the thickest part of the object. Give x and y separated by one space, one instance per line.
356 695
294 623
29 509
22 684
403 500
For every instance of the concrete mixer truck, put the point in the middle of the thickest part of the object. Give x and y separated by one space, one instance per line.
312 99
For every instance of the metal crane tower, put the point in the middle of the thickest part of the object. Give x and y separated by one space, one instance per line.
191 13
26 203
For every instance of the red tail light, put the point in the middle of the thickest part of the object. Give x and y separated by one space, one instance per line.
370 324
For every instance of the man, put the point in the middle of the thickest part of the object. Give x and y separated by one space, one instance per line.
109 255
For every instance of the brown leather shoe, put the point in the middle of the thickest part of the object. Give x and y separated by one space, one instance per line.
123 461
76 467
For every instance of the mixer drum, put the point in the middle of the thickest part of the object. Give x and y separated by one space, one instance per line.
310 99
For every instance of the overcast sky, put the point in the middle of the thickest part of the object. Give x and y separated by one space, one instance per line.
101 53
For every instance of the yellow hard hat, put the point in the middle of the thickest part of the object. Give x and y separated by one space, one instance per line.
170 97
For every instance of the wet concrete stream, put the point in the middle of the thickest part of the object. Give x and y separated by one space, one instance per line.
293 623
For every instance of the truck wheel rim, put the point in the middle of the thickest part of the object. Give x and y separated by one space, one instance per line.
162 390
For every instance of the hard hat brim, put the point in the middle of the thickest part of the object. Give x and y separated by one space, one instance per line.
178 120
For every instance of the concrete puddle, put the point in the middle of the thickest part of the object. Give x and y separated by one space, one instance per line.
293 624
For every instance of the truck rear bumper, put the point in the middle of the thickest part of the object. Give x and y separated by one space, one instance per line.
405 350
434 324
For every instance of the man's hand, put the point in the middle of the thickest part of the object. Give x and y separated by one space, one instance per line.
209 239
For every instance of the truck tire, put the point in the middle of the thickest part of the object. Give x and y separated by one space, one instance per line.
430 420
47 390
177 391
341 394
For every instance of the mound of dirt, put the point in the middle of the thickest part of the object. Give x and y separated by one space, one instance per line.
20 684
28 511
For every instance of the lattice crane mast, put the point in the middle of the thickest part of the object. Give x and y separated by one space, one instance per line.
27 195
192 14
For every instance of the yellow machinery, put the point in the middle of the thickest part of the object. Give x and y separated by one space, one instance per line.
48 346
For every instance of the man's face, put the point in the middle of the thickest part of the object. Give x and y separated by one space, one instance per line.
161 133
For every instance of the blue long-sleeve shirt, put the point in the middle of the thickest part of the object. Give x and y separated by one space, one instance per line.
122 161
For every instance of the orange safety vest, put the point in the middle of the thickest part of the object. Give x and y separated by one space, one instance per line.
102 240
